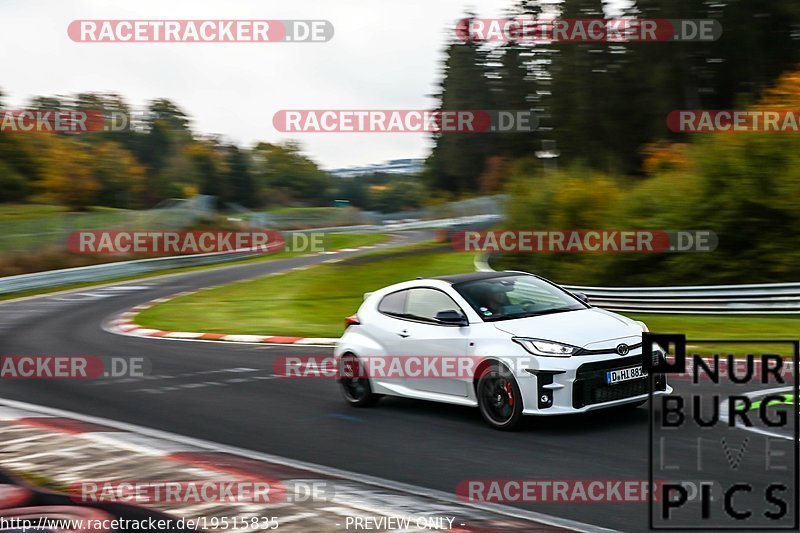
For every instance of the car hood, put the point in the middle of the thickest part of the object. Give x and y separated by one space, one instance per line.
583 328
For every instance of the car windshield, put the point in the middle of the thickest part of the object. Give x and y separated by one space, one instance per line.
517 296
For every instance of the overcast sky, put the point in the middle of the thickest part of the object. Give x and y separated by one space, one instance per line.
386 54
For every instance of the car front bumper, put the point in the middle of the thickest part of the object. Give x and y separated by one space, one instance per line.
582 387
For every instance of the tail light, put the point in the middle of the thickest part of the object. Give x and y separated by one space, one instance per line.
351 321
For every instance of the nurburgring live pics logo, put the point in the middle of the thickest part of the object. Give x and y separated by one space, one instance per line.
707 428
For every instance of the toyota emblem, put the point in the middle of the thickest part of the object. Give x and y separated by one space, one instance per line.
623 349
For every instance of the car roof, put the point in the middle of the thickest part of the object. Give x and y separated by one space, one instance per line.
475 276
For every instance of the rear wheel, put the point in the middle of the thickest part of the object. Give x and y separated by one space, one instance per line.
499 398
354 382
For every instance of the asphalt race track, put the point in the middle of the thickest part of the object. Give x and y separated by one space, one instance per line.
225 393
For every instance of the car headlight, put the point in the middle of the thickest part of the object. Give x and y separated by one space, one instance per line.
547 348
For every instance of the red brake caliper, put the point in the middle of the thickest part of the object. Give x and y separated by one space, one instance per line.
510 395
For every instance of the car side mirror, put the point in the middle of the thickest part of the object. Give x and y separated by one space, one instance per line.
581 296
451 317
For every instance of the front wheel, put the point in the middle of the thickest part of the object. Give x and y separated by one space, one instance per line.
354 382
499 399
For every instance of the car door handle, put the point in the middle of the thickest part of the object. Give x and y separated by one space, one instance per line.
404 333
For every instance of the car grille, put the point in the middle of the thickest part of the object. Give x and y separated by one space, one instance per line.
601 351
590 383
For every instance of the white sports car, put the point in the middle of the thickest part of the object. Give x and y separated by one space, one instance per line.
509 343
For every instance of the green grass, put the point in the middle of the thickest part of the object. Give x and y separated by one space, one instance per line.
304 210
9 212
28 226
332 241
307 303
313 302
699 327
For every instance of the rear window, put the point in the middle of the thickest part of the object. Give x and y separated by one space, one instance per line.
424 304
393 304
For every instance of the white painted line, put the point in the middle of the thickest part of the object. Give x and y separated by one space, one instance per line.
183 335
405 488
244 338
723 413
318 341
146 331
139 443
8 413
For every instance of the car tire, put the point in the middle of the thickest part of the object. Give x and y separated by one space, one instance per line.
499 398
356 388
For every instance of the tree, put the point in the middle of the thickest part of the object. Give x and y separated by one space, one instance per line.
286 171
208 168
241 187
120 177
458 159
67 176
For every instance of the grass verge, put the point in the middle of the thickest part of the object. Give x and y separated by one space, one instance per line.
715 327
307 303
333 241
313 302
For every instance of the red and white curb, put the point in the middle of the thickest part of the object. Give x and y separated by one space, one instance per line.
124 324
69 447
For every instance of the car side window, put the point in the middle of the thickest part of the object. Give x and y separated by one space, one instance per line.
423 304
394 304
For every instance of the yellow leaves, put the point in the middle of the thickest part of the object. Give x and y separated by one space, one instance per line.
77 174
67 176
494 174
785 94
662 156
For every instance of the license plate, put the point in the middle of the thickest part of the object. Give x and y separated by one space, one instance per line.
625 374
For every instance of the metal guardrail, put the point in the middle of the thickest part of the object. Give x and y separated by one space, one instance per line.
108 271
762 298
